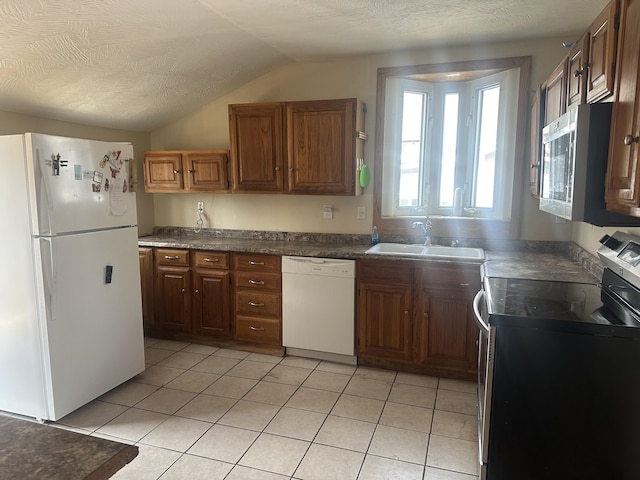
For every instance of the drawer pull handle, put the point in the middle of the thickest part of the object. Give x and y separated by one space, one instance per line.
172 257
255 304
464 284
256 282
255 263
214 260
256 329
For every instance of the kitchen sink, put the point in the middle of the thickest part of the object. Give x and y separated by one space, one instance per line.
428 251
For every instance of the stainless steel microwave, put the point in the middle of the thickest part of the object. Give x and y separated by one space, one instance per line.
575 149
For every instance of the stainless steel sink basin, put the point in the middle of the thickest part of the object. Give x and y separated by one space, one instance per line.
428 251
396 249
454 252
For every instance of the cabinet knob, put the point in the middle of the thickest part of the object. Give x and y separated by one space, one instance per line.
277 169
191 171
630 139
176 171
291 169
183 290
406 312
425 314
197 291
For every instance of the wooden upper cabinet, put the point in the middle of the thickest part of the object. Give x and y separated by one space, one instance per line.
163 171
177 171
255 136
306 147
602 53
623 176
556 93
577 72
320 146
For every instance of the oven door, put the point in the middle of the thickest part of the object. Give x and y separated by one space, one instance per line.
486 349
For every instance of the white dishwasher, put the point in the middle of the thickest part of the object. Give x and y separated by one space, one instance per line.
318 307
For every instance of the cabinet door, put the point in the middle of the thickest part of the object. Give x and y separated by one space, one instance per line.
602 54
211 302
205 171
163 172
577 72
173 293
146 283
384 321
446 333
556 93
255 135
320 146
623 177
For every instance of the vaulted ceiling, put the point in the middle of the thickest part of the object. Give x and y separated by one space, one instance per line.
139 64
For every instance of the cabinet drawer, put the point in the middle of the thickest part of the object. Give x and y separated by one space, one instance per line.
256 262
258 281
258 304
450 276
258 330
172 257
211 260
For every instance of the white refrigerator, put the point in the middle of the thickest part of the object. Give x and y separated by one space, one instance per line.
70 303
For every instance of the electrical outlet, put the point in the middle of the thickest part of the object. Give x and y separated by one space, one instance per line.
362 213
327 212
200 206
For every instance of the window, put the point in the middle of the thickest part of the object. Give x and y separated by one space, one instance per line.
450 142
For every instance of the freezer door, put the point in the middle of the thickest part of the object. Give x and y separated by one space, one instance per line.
93 311
78 185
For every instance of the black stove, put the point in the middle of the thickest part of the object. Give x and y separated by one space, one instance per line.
559 381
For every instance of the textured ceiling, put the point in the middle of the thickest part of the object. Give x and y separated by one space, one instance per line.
139 64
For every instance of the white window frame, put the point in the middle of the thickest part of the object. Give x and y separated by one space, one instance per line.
466 144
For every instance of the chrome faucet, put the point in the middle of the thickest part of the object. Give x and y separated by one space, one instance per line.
426 228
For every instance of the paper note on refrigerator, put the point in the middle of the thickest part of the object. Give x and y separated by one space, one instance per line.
117 189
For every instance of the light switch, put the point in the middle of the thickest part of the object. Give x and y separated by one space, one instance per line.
327 212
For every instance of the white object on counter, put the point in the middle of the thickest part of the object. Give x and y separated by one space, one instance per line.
318 307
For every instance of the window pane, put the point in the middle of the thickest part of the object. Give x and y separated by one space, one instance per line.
486 147
413 109
449 149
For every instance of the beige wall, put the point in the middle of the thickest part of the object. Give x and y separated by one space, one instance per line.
12 123
337 78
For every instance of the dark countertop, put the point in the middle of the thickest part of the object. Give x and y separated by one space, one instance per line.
536 266
541 266
29 450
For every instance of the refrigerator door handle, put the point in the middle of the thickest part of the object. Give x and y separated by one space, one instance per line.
47 276
46 201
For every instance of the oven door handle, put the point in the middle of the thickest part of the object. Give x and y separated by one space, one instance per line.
476 312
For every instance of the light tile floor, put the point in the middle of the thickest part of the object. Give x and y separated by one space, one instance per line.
200 412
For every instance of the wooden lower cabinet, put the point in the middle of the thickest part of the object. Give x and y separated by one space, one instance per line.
192 293
211 294
257 297
145 255
385 311
173 290
418 317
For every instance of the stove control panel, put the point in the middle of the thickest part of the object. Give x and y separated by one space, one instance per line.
620 252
